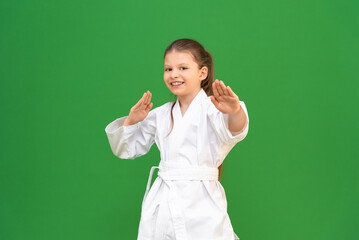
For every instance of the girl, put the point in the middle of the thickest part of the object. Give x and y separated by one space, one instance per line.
194 134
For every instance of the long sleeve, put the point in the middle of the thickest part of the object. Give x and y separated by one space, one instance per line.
129 142
219 122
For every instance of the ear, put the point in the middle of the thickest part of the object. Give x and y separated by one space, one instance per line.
204 73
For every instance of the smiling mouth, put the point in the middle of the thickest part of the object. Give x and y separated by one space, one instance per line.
176 83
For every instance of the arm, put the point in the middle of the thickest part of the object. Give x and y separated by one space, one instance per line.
234 111
237 120
133 135
130 142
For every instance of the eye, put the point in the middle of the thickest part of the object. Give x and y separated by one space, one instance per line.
171 69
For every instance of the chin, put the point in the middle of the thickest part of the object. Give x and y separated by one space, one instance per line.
178 91
174 90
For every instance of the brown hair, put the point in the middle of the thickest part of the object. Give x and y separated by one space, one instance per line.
203 58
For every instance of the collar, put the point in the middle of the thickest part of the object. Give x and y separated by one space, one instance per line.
200 96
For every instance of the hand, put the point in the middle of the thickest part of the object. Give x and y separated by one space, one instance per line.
224 99
140 110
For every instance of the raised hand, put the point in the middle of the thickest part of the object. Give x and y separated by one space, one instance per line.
224 99
140 110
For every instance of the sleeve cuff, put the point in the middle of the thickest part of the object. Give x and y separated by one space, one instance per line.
117 124
236 136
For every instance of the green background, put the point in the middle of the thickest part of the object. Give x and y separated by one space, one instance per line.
68 68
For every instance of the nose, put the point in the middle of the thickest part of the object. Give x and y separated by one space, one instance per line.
174 73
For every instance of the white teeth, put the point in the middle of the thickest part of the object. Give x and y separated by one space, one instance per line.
176 83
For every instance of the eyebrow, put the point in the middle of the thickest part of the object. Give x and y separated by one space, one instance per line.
178 64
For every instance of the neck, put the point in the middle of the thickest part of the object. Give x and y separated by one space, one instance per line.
185 100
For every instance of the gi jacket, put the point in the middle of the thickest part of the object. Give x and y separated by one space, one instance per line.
186 201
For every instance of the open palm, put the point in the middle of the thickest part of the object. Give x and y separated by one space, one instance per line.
224 99
141 109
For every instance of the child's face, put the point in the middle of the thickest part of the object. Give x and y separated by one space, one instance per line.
180 67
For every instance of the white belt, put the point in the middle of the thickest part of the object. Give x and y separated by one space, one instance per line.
173 172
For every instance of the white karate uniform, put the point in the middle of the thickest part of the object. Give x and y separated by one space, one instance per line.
186 201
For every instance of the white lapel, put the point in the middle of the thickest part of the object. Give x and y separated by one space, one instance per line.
181 123
192 106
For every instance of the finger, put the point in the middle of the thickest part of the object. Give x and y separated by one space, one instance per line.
149 97
140 101
214 87
223 87
145 97
219 89
230 92
214 101
149 106
145 102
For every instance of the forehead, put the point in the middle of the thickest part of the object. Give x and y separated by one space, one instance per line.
176 58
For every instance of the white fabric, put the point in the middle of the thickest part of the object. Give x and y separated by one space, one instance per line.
186 201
